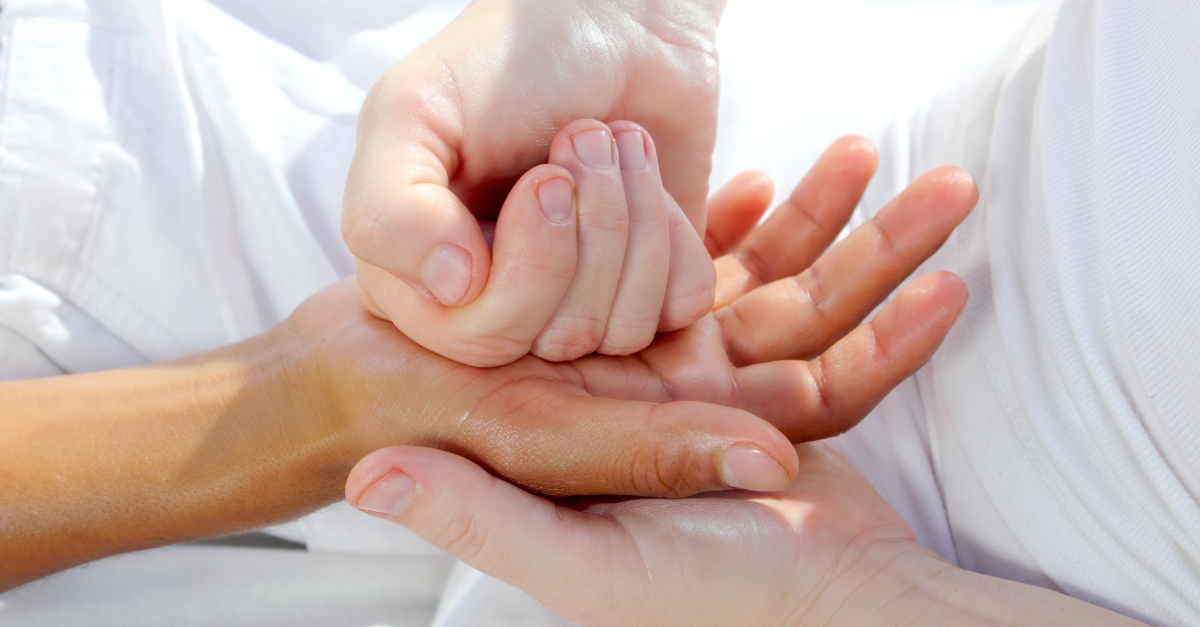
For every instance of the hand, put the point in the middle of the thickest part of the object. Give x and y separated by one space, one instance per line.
268 429
827 551
446 132
630 425
591 254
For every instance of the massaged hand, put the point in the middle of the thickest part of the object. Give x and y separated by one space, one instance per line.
445 134
590 254
554 427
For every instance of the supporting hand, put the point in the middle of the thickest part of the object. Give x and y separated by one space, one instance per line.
827 551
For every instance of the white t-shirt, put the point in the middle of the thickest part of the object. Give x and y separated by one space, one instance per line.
1061 419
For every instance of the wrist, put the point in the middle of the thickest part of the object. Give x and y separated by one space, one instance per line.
304 415
344 384
878 583
270 449
892 583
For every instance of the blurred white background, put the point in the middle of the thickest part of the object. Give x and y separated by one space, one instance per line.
839 66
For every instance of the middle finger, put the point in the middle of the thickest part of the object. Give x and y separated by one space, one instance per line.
587 150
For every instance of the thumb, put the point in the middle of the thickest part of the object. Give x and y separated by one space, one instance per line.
533 264
493 526
399 213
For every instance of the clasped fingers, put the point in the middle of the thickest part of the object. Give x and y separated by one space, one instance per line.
590 254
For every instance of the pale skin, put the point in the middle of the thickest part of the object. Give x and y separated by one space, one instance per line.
590 254
268 429
448 131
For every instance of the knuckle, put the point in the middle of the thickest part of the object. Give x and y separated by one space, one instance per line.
464 538
404 87
663 473
885 245
683 309
547 268
754 263
488 351
810 286
605 216
745 342
569 337
359 227
563 349
627 337
653 216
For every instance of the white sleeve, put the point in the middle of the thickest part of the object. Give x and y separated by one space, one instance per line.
49 335
1060 413
21 360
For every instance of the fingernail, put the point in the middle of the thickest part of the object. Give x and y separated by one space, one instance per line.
631 148
389 496
447 274
593 147
747 467
556 197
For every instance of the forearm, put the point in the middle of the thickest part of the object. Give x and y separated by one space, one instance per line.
905 585
99 464
964 597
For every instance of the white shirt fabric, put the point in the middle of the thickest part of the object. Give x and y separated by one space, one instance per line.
170 181
1062 415
173 173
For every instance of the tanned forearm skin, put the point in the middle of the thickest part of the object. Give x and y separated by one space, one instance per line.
99 464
